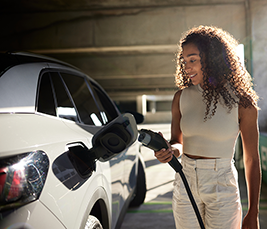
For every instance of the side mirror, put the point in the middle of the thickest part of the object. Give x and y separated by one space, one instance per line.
139 118
108 142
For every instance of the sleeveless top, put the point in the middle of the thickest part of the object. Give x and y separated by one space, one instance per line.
214 137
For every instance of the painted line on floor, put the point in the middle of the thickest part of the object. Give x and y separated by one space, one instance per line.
158 203
169 202
170 210
151 211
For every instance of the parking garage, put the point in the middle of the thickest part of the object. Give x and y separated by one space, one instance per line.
129 47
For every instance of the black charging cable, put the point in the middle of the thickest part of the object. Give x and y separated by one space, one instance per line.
156 142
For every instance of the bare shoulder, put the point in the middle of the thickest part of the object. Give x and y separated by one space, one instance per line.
177 95
176 103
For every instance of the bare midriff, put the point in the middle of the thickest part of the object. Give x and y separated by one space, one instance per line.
199 157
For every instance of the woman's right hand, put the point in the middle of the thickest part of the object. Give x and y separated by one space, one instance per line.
164 155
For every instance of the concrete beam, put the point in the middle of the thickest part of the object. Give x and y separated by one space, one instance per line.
120 50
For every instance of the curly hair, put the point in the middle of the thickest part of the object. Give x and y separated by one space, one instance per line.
223 74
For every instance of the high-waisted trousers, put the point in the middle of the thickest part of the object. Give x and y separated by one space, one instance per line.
214 185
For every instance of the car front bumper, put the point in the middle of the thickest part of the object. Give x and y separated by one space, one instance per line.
33 215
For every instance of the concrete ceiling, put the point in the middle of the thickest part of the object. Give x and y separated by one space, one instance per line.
20 6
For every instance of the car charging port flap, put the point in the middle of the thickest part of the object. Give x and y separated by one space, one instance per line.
83 159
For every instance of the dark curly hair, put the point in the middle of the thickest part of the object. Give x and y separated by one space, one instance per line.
223 73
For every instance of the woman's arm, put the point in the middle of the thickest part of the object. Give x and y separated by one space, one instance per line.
176 134
250 138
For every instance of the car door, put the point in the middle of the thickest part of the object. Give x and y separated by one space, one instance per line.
123 166
130 155
89 104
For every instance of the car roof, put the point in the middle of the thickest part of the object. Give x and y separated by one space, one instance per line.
10 59
19 75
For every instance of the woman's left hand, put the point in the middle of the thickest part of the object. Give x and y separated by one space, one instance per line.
250 222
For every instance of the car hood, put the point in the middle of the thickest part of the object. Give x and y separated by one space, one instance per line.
24 132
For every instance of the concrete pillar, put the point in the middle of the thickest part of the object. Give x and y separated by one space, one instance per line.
259 56
141 104
152 105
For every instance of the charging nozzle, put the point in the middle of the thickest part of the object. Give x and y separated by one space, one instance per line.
152 140
144 138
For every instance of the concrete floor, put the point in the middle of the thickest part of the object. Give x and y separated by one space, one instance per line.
156 212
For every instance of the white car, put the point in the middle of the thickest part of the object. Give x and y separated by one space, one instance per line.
49 176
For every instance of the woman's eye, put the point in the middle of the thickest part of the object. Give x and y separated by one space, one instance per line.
190 61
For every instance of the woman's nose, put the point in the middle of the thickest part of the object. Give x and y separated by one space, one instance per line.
187 68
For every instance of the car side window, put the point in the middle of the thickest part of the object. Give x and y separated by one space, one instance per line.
65 108
83 99
46 102
109 112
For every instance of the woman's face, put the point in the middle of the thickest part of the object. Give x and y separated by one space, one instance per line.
192 63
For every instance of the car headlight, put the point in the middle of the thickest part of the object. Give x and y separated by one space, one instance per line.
22 178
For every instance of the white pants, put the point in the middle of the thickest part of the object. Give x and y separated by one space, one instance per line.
214 185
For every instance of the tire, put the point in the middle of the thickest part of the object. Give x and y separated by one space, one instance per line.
140 189
92 223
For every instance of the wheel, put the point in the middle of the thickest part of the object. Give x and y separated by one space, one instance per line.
140 189
92 223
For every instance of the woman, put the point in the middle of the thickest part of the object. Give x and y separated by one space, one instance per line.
216 103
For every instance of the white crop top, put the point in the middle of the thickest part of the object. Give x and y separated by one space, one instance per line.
214 138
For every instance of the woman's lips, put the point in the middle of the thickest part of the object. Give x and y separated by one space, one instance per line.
192 76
